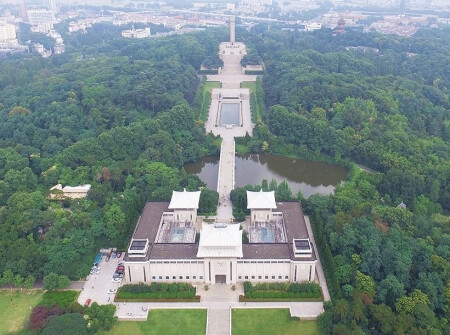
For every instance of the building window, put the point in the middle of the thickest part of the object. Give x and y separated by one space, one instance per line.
167 277
253 277
246 277
181 277
174 277
153 277
240 277
279 277
187 277
266 277
273 277
259 277
286 277
160 277
194 277
201 277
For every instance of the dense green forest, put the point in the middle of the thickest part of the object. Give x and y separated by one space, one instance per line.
115 114
386 107
123 116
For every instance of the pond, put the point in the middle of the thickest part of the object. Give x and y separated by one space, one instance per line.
301 174
229 114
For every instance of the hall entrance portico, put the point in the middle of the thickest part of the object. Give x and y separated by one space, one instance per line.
221 279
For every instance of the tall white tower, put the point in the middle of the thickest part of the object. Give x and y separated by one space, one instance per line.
232 29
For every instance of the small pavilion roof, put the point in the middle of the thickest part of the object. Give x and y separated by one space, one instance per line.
184 199
261 200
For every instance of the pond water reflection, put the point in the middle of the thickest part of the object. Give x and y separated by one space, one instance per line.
301 175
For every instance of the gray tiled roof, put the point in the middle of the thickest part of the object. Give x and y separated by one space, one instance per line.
174 251
148 224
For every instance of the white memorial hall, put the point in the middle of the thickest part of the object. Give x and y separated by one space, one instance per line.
164 248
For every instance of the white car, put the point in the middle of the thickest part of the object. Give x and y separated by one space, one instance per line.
116 280
112 291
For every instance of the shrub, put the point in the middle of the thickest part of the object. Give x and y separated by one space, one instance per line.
72 323
282 290
157 291
38 317
59 298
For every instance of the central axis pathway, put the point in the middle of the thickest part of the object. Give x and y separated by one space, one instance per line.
226 179
230 78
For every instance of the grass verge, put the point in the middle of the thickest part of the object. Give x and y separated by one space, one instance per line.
15 309
206 98
167 322
269 321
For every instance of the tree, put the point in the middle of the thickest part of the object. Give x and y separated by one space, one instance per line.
29 282
406 304
18 281
8 278
389 290
52 281
115 221
366 285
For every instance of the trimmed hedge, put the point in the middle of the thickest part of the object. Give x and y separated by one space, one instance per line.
157 291
282 290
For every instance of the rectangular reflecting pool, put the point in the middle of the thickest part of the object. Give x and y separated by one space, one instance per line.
229 114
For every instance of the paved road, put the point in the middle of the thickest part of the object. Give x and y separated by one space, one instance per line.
319 269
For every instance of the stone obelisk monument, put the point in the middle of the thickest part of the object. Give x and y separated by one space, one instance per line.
232 29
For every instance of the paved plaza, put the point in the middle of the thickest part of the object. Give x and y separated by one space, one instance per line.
97 286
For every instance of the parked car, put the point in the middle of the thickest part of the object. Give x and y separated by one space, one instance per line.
120 268
94 272
119 254
117 275
112 291
87 303
120 264
120 272
116 280
107 258
114 254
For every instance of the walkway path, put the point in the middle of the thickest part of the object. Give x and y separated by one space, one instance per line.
230 78
226 179
319 269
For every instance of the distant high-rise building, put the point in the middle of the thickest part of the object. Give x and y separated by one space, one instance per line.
23 10
7 31
40 16
403 6
52 6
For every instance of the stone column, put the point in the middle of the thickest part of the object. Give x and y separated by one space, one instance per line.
232 29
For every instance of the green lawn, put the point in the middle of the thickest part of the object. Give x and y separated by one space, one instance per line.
255 104
15 309
206 101
251 85
269 321
167 322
